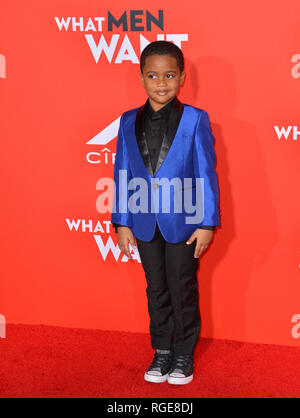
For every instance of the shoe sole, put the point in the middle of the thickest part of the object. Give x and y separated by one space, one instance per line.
155 379
180 380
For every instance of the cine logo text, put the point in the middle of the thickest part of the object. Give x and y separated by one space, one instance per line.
2 326
296 328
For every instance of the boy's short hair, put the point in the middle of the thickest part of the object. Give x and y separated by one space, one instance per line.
162 48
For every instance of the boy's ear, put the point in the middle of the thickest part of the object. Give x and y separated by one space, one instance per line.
142 78
182 77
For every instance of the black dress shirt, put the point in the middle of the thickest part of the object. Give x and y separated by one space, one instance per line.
155 126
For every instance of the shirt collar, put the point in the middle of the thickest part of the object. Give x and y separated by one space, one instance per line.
162 113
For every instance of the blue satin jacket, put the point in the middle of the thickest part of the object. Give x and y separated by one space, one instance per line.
182 193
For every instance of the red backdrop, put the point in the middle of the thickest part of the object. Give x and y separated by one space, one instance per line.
60 261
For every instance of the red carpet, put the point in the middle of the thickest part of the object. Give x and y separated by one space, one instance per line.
44 361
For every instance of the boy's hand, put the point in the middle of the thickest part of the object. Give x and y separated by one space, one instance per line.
203 237
125 237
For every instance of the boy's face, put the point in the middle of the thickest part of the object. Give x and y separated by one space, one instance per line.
161 78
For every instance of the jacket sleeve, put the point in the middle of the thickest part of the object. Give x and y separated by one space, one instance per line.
122 175
204 160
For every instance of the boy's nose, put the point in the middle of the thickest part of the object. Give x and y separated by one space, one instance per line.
161 81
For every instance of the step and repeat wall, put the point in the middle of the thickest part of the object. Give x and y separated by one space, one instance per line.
68 70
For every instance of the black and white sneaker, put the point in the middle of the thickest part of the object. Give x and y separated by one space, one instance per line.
160 366
181 371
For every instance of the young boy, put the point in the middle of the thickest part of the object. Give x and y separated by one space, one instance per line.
167 141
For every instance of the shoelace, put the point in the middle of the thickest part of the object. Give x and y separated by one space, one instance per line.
181 361
160 360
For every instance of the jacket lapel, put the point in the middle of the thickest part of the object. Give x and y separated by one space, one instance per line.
174 119
141 138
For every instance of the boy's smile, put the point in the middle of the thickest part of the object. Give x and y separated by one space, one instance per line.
161 78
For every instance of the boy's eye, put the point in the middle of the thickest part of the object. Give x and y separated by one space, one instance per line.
152 76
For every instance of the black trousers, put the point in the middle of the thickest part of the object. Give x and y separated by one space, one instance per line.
172 292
